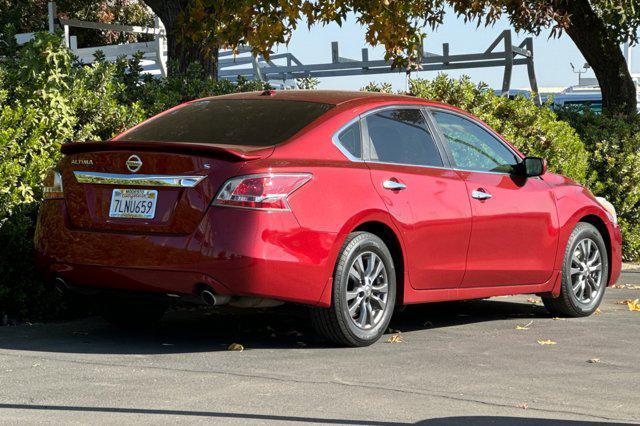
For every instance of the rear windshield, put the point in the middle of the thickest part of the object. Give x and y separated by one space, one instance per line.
230 122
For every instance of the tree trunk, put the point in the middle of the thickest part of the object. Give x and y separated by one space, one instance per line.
179 50
604 55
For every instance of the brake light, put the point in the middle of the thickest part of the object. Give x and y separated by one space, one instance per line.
261 192
53 186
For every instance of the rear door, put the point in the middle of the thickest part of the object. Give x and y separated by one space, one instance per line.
514 236
427 200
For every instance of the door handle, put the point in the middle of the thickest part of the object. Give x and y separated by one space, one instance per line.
480 194
393 185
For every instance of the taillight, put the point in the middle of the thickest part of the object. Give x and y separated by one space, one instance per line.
53 185
262 192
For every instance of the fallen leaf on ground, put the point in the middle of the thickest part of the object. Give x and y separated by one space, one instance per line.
396 338
594 360
235 347
619 286
558 319
523 405
524 327
624 302
598 311
633 286
634 305
547 342
532 300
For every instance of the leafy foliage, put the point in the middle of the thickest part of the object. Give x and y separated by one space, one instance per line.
378 87
157 95
307 83
614 147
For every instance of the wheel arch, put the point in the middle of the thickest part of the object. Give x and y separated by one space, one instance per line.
600 225
390 238
379 223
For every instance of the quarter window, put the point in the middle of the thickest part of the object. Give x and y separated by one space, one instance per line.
472 147
401 136
349 139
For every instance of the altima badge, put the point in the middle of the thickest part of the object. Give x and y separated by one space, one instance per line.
134 163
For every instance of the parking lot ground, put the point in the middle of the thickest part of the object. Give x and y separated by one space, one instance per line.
475 362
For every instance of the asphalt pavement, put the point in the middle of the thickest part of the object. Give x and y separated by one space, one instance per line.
475 362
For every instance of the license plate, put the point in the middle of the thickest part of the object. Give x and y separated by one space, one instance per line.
133 203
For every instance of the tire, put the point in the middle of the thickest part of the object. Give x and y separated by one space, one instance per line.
131 313
357 287
583 283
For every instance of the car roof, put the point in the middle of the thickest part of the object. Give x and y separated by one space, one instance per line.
334 97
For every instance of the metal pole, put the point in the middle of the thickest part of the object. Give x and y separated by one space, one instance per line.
160 37
67 35
628 54
533 82
257 73
51 8
508 67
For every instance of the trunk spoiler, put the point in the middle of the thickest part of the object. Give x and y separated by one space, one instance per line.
230 152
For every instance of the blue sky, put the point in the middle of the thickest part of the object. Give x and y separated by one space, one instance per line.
552 56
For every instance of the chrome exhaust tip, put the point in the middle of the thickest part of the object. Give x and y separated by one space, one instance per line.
209 298
60 286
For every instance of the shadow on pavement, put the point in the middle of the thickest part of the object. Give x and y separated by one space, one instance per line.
445 421
203 330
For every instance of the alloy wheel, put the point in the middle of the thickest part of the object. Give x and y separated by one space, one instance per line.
586 271
367 290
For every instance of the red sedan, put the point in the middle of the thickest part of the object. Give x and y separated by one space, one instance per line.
349 202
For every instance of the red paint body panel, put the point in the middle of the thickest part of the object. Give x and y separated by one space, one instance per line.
434 218
453 247
518 220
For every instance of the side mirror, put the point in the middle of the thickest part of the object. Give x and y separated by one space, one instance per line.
534 166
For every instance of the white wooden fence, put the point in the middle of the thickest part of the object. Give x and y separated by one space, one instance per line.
154 52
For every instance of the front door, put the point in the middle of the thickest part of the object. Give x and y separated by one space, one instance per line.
514 233
427 201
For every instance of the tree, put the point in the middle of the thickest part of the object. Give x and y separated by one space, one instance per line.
198 28
597 27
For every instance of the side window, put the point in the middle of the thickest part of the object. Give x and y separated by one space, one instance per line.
349 139
472 147
402 136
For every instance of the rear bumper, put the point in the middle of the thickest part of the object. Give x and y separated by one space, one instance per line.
234 251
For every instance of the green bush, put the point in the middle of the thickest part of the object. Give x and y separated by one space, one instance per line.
45 100
614 147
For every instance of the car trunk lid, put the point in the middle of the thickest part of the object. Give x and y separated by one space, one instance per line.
183 178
